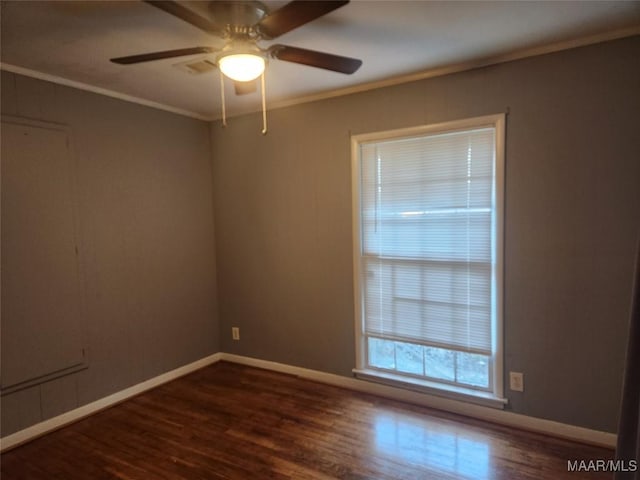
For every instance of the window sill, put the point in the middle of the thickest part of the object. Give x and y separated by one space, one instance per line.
452 392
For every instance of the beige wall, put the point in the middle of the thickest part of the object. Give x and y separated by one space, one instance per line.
146 243
283 221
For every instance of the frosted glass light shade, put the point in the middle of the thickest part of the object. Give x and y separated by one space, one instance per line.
242 67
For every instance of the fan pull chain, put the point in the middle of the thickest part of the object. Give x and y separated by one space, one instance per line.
264 106
224 110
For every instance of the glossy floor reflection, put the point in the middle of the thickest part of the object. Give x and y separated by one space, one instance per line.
424 444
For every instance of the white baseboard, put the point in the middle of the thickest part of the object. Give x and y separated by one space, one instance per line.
539 425
502 417
39 429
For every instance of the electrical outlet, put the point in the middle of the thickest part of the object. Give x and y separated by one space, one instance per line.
516 381
235 333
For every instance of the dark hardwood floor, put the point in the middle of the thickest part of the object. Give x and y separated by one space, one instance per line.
233 422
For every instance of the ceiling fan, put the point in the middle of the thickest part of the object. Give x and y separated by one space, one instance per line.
242 25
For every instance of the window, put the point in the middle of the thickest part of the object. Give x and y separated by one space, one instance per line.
428 257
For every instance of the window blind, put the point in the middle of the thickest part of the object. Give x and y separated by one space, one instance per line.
426 247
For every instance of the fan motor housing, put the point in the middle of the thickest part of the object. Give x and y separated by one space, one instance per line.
237 13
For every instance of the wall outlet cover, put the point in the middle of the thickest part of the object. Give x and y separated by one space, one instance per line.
516 381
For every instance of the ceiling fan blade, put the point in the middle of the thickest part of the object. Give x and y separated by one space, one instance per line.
295 14
148 57
312 58
244 88
189 16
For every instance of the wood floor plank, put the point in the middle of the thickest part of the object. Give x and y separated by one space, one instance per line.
234 422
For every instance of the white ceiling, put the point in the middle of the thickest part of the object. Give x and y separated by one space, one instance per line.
72 41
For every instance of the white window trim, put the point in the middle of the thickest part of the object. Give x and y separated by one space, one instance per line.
493 399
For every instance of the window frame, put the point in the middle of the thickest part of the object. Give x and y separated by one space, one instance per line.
494 397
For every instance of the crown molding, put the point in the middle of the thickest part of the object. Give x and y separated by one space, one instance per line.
466 65
411 77
27 72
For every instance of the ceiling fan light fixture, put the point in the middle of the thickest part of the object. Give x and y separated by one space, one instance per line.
242 67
